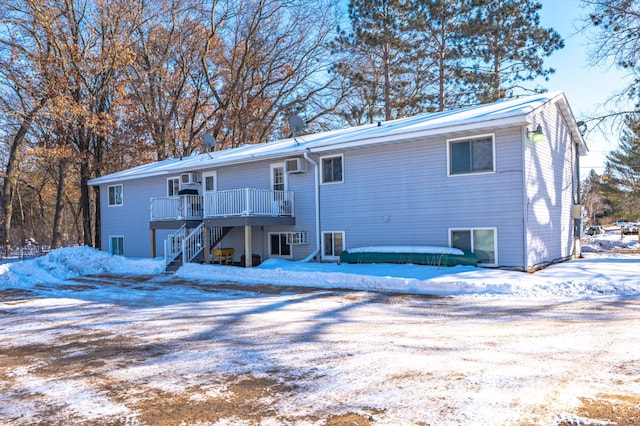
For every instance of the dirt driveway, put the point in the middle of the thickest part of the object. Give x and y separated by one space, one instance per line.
160 351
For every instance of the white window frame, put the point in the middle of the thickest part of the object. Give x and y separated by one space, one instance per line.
450 142
280 256
322 181
344 244
111 238
480 228
173 178
121 195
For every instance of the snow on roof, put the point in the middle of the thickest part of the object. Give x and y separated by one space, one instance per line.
500 112
408 249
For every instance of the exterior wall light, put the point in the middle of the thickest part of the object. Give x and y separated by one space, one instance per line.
536 135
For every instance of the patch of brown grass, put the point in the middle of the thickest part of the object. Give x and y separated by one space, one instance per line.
621 410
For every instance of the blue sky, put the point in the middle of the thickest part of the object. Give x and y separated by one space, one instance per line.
588 88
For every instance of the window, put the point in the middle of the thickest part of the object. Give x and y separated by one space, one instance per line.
481 242
209 181
115 195
332 244
116 245
278 245
332 169
473 155
173 186
298 238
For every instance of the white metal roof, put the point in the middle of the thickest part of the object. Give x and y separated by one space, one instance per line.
503 112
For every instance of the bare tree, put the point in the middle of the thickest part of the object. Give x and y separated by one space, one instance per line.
166 81
24 55
112 84
617 36
81 48
266 59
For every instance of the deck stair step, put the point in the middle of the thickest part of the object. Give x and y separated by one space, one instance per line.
174 265
177 240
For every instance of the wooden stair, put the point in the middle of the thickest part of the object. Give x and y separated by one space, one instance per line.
174 266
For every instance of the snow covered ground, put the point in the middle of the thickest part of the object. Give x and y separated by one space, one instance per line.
614 274
508 348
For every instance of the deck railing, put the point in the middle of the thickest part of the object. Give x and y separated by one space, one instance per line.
230 203
248 202
187 207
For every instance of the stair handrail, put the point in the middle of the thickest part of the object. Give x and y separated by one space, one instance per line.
173 245
193 244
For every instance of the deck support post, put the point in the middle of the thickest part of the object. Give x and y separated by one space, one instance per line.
207 243
248 256
153 243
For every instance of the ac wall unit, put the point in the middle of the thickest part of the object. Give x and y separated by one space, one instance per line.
187 178
295 165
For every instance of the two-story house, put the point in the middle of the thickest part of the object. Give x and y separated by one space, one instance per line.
500 180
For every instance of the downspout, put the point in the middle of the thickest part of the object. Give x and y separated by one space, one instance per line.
317 189
577 222
525 203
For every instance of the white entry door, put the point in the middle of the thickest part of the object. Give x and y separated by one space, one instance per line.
209 188
279 187
278 177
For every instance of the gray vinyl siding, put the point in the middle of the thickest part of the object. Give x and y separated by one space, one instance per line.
402 195
303 186
131 219
551 185
258 175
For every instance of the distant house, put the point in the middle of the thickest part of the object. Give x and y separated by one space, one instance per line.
476 178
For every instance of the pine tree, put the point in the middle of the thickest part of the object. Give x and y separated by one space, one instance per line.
406 57
595 197
439 26
623 171
507 46
380 61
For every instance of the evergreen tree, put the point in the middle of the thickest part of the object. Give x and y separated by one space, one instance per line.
507 46
407 57
594 197
623 171
380 63
439 27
